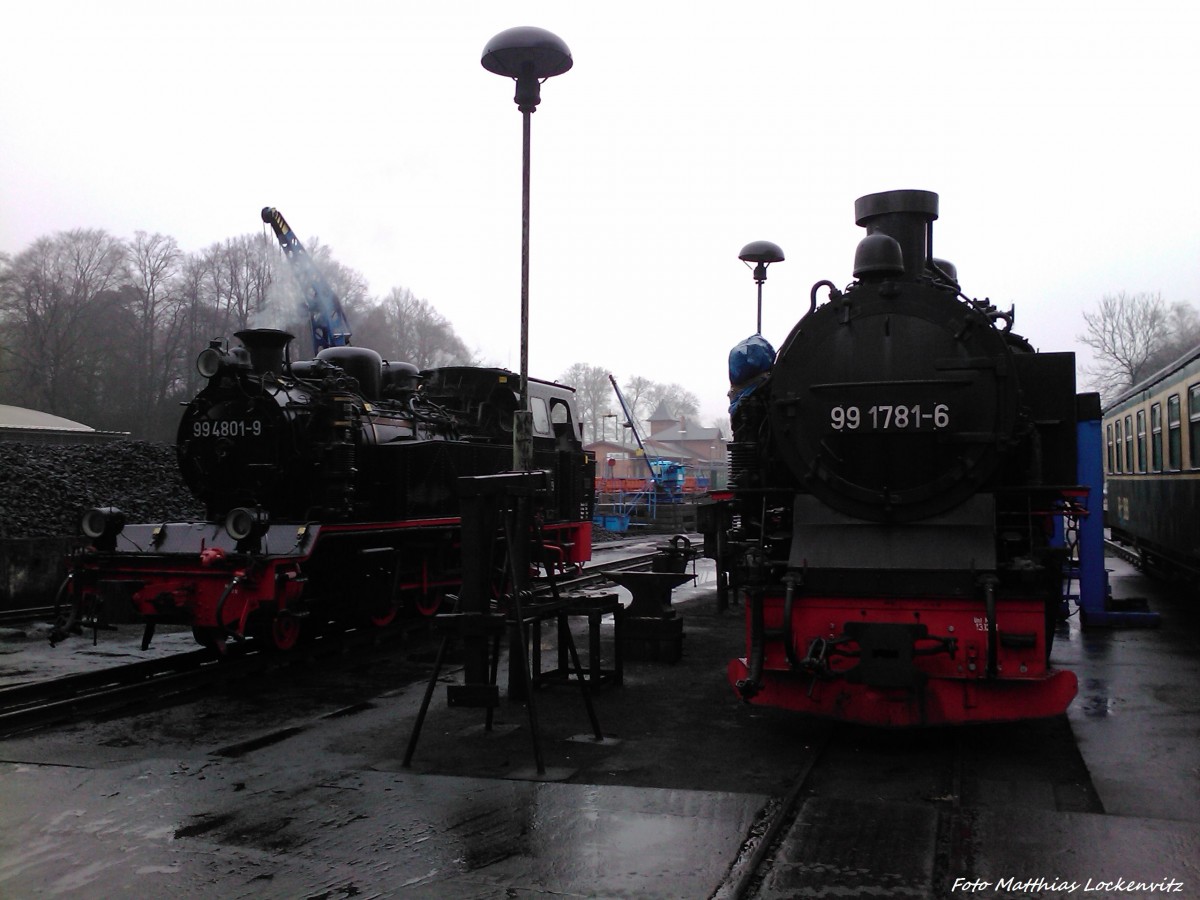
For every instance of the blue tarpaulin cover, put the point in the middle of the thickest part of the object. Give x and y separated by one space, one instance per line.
749 362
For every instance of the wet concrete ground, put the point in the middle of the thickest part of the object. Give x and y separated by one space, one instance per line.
296 789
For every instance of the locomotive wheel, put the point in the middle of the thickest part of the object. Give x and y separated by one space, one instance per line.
282 632
382 611
66 613
428 604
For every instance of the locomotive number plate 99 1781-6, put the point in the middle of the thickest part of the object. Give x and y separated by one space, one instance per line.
883 417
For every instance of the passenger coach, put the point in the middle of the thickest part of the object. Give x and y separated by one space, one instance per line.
1152 465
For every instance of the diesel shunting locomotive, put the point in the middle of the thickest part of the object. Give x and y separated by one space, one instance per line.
900 475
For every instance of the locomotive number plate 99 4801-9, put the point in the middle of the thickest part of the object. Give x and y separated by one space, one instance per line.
231 428
881 417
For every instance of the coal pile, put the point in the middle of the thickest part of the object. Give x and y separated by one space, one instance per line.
45 489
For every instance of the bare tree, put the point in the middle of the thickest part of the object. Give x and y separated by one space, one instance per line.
107 331
110 365
1133 336
199 320
679 400
644 397
1183 334
7 334
241 274
154 266
405 328
635 389
593 396
49 296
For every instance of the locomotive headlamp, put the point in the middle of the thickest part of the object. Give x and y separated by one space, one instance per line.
247 523
208 363
762 254
102 525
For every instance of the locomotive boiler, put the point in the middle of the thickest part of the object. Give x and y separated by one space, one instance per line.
900 474
330 489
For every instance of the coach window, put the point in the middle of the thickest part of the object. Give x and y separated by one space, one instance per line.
1129 443
1117 442
1174 435
1108 443
1156 437
1141 440
1194 426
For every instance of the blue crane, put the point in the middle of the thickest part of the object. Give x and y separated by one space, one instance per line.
329 325
632 425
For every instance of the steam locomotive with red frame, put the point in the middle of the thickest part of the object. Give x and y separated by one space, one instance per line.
330 488
901 475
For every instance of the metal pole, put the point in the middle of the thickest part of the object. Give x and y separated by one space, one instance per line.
523 418
525 153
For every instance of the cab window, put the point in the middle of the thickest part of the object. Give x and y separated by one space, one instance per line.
541 418
560 415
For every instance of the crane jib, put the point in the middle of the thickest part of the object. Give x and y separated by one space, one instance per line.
329 325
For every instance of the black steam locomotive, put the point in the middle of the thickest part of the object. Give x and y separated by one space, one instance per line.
330 487
899 478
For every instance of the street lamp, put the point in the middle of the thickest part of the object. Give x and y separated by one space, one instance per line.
762 253
529 56
604 426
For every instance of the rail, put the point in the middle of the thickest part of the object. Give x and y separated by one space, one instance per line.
10 617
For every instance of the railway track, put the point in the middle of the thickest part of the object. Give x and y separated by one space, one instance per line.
38 704
137 687
12 617
1121 551
895 811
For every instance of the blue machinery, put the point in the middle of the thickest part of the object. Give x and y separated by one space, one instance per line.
618 520
633 427
666 479
666 488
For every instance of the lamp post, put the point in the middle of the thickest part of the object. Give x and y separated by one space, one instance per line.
762 254
604 426
529 56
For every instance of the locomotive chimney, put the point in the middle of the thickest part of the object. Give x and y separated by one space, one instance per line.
905 216
266 346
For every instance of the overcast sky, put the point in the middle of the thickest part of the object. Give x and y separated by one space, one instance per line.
1060 136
